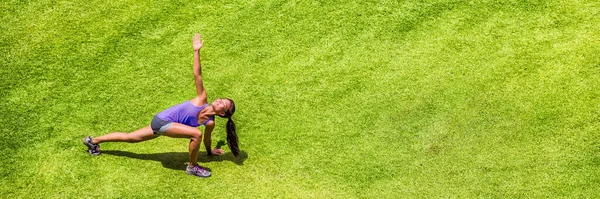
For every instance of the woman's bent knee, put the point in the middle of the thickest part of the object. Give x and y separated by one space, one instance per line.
197 135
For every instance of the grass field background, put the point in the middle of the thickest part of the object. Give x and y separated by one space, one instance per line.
335 99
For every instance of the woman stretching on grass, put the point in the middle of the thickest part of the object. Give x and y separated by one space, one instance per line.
180 121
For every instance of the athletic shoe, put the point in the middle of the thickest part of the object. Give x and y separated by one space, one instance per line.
93 149
197 171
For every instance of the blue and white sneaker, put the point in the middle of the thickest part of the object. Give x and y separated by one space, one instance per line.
93 149
197 171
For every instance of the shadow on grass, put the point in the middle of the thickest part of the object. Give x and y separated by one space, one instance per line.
178 160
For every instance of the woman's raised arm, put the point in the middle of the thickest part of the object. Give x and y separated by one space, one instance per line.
198 43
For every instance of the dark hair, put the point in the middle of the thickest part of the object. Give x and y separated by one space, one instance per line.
232 138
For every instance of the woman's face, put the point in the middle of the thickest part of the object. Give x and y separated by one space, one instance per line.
221 106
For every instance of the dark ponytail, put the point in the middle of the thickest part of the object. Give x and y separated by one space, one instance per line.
232 138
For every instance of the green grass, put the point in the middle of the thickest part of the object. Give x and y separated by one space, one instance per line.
335 99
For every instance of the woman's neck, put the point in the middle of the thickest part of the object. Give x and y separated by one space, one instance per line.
207 111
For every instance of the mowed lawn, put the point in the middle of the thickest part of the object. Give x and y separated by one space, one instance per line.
335 99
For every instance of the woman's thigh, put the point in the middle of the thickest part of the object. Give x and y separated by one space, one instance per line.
178 130
142 134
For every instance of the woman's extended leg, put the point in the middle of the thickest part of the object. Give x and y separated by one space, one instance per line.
140 135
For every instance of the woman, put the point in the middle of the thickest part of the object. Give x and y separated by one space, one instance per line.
180 121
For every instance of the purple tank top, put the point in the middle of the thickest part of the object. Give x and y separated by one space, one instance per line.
184 113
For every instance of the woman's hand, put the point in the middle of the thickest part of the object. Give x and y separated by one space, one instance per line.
198 42
217 151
